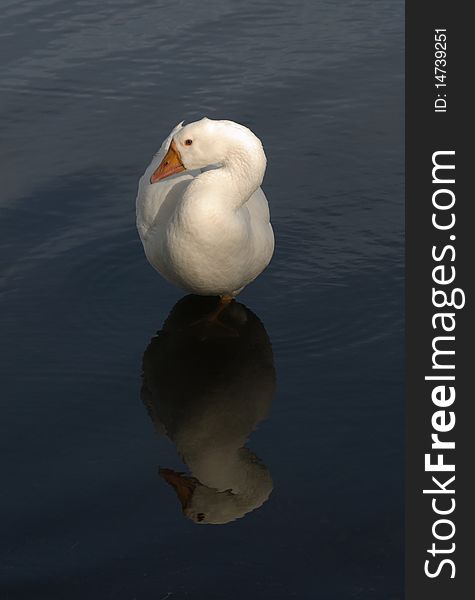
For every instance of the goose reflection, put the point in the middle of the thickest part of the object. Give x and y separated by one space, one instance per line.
207 384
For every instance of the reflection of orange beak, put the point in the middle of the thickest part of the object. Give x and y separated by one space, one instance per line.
184 486
170 165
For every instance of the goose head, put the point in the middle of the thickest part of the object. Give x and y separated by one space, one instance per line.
222 488
211 143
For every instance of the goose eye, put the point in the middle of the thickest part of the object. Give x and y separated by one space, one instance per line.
188 142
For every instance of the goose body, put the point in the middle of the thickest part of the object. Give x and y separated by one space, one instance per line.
201 214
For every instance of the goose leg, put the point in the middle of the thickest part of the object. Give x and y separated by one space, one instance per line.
214 317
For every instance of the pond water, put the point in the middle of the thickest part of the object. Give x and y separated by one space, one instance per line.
98 410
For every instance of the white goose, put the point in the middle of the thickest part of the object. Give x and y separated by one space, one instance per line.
201 214
207 392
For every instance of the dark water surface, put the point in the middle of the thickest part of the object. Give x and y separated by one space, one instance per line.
88 92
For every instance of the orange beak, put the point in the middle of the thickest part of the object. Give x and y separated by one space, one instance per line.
170 165
184 486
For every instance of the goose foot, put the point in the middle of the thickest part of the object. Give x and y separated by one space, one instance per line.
213 318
